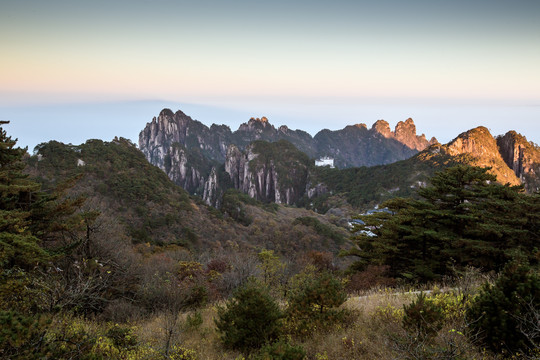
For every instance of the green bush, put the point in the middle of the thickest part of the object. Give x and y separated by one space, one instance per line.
233 205
250 319
423 318
26 337
122 337
194 321
281 350
505 314
313 304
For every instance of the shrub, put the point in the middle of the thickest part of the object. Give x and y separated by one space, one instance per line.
235 208
281 350
504 313
122 311
19 336
24 337
423 318
182 353
194 321
122 337
250 319
372 276
321 228
314 303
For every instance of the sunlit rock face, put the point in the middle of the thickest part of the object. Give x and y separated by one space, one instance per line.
523 157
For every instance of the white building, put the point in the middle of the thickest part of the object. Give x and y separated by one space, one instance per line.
325 161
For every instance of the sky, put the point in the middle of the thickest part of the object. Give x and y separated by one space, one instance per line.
71 70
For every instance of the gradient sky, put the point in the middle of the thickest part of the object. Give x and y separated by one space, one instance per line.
450 65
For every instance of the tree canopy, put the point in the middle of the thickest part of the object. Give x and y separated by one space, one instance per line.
463 218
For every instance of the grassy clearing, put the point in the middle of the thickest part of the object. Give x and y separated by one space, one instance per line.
372 329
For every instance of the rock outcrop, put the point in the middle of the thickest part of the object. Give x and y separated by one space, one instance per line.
269 172
522 157
481 148
237 166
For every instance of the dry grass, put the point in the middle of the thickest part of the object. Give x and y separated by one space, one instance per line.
372 330
202 338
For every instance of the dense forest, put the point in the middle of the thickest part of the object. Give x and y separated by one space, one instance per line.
97 262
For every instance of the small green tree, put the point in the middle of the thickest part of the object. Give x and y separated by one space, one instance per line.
20 250
505 314
422 318
271 266
281 350
315 301
250 319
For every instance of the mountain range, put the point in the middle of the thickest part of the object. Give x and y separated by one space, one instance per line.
276 165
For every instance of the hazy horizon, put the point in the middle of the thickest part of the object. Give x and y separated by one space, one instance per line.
77 122
311 65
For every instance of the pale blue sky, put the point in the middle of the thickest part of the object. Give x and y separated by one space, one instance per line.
450 65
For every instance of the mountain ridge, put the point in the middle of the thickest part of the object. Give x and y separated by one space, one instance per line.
208 161
168 128
190 152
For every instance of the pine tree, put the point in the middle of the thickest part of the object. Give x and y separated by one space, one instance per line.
18 247
250 319
463 218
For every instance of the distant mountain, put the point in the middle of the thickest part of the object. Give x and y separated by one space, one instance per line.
352 146
275 165
356 145
191 153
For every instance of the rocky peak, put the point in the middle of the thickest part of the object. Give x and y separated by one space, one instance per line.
405 132
256 123
405 128
477 141
382 127
482 147
167 113
283 129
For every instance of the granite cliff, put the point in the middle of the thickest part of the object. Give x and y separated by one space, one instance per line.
523 157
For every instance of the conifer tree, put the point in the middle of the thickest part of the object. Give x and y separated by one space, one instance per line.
463 218
19 248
